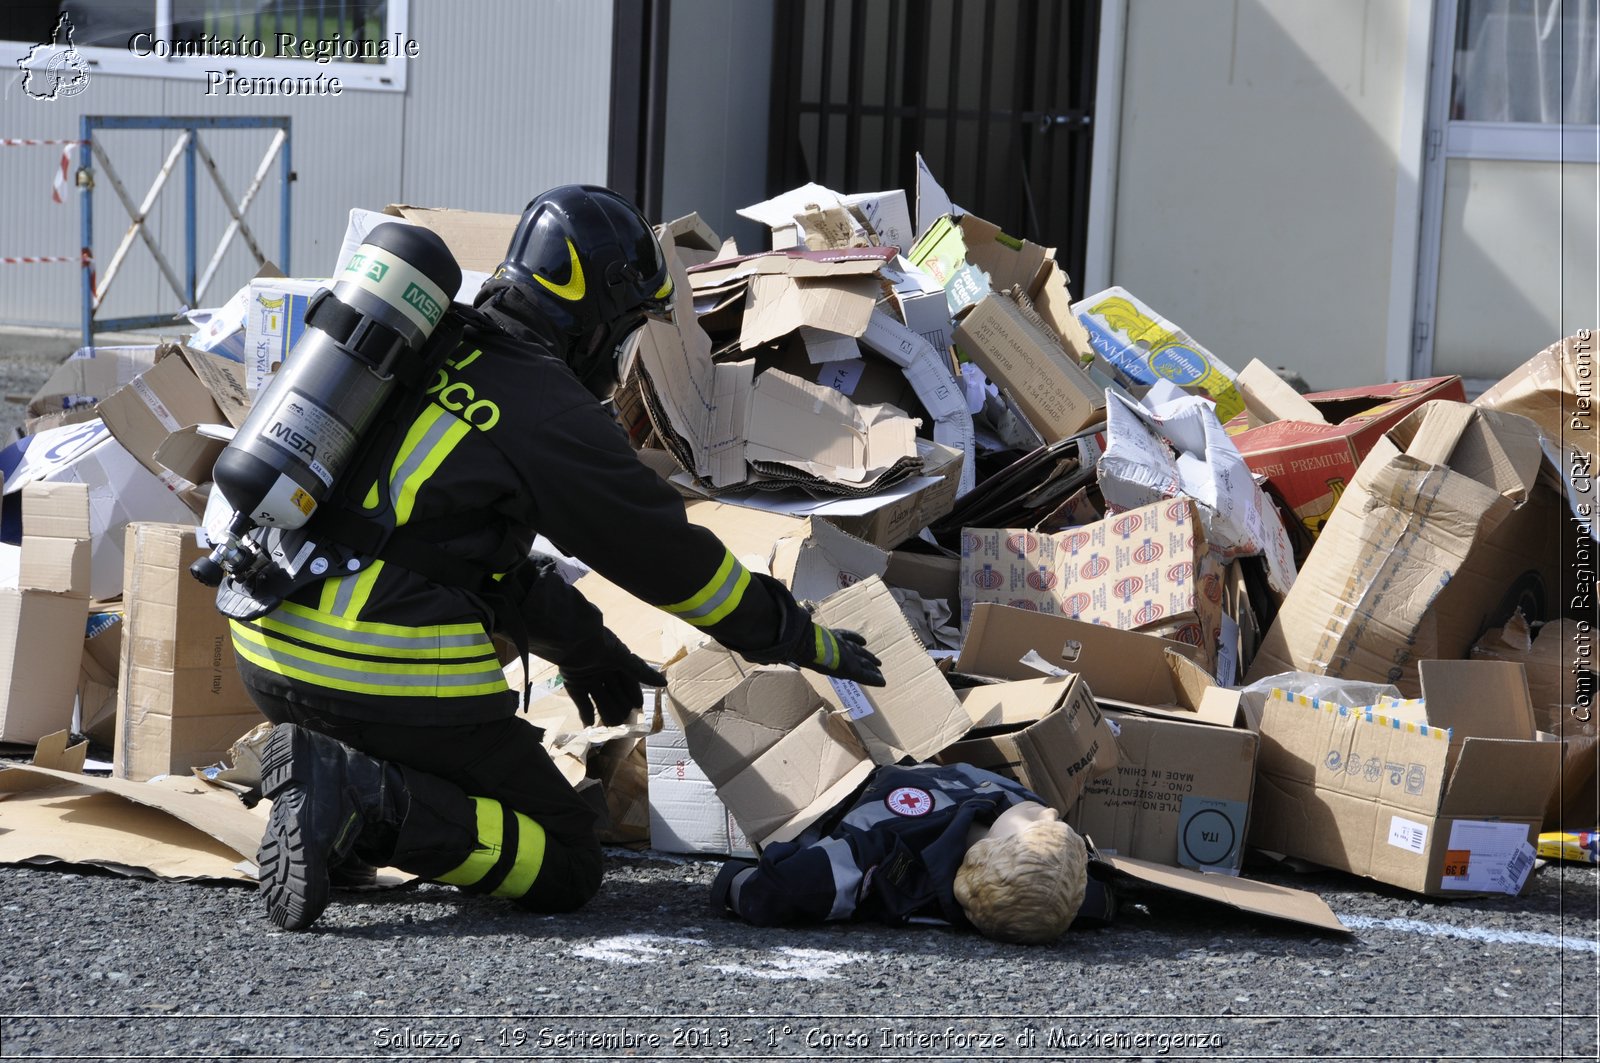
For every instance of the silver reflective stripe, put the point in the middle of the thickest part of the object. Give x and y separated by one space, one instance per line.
343 677
846 877
317 630
342 596
419 453
712 604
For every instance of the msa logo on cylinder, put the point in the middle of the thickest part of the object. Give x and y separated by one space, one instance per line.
425 304
283 435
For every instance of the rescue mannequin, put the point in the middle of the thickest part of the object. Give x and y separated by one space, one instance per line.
949 844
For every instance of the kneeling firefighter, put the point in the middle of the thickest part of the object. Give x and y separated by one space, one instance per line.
398 741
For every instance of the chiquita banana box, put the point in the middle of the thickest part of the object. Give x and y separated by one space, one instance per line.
1148 347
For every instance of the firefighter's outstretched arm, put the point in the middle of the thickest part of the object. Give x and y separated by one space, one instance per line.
598 502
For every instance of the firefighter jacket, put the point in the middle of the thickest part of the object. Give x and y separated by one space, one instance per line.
508 444
892 856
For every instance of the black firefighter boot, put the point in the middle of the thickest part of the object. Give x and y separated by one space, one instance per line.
325 797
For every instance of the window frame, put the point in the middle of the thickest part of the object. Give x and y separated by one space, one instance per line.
388 75
1446 138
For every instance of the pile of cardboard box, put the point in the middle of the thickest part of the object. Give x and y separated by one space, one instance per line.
1091 555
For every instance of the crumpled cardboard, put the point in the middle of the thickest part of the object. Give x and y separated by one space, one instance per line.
1046 733
799 431
121 491
1446 526
1171 445
1561 686
176 827
1555 390
782 746
834 219
1015 347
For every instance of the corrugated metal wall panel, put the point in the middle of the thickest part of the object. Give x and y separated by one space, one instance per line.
30 224
336 171
507 103
499 106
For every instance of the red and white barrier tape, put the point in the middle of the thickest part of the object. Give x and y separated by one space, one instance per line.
83 259
58 184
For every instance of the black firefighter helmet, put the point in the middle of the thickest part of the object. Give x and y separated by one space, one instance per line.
583 268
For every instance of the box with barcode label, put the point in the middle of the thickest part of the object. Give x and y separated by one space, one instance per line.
1441 795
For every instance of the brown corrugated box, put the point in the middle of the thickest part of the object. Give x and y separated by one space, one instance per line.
1448 523
42 619
180 701
1446 805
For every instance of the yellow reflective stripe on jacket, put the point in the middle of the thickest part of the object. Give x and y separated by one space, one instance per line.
322 648
424 677
432 437
720 596
330 631
492 843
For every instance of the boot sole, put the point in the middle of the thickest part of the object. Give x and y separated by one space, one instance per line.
293 876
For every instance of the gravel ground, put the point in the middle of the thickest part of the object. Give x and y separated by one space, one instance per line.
26 361
97 966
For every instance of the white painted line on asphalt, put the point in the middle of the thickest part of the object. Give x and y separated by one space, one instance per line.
1472 933
790 964
780 965
633 948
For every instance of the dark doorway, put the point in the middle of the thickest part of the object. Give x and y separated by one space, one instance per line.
998 95
638 101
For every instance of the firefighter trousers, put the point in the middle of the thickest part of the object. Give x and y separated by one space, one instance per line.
485 808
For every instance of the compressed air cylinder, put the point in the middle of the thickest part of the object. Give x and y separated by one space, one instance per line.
308 422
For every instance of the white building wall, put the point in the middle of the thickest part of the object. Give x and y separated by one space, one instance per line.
498 106
1256 177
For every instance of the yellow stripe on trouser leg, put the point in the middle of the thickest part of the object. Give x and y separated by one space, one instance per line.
493 819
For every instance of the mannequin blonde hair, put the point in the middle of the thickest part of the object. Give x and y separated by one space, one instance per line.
1025 888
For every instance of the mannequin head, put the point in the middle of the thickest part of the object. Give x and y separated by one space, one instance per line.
1023 880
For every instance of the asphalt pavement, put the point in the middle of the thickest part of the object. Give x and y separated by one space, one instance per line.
96 966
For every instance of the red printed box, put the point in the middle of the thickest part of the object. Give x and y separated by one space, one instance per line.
1146 568
1310 463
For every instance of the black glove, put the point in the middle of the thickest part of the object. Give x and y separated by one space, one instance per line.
604 676
805 643
842 654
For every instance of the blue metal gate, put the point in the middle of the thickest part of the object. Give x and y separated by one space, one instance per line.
191 286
